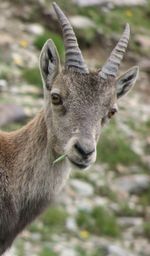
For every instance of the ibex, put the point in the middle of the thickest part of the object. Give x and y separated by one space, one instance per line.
77 103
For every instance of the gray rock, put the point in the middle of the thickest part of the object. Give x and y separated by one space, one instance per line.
35 29
11 113
115 250
68 252
5 39
3 85
81 22
85 28
82 188
130 221
71 224
110 2
128 2
132 183
143 41
145 65
90 2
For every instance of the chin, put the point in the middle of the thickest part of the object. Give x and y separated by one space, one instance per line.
79 166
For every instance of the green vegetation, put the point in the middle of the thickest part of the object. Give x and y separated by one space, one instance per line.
32 76
83 176
106 191
114 19
54 218
100 222
144 198
4 74
59 159
51 222
141 128
35 227
20 248
118 16
146 228
97 252
47 252
40 41
114 148
147 123
100 252
126 210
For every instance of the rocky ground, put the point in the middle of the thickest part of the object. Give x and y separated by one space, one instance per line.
104 211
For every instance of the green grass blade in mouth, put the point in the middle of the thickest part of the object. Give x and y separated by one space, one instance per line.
60 158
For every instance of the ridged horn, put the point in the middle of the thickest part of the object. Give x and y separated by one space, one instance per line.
112 64
73 55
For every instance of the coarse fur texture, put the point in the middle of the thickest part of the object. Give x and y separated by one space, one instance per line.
76 106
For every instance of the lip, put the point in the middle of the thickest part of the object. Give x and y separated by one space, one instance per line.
81 166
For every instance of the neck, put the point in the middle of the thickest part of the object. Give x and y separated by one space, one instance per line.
34 151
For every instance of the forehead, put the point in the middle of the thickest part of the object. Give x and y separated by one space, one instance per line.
86 87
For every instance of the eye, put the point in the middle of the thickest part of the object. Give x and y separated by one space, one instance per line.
56 99
112 112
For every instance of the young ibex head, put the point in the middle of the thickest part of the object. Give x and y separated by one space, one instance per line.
78 101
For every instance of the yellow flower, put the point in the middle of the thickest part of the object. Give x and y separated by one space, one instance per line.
84 234
24 43
18 60
129 13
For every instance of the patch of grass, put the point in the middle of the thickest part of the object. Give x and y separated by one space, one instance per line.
83 176
100 222
105 222
32 76
142 128
114 148
97 252
40 41
85 221
147 123
47 252
106 191
146 228
54 219
34 227
144 198
20 248
126 210
4 74
100 252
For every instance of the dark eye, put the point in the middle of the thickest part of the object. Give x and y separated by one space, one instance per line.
56 99
112 112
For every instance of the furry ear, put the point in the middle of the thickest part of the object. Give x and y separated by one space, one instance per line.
49 63
126 81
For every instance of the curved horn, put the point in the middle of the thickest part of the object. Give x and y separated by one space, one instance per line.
112 64
74 58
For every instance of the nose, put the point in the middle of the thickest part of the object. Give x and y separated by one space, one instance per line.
84 150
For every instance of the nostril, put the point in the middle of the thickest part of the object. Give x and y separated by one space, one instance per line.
83 151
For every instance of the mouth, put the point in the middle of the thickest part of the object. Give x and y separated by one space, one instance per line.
79 165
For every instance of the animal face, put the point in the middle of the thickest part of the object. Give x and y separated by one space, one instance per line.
78 102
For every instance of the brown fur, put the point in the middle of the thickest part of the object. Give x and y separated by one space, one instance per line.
25 188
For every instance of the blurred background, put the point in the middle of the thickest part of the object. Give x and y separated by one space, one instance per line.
104 211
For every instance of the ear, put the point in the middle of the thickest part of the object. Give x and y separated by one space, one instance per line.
127 81
49 63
